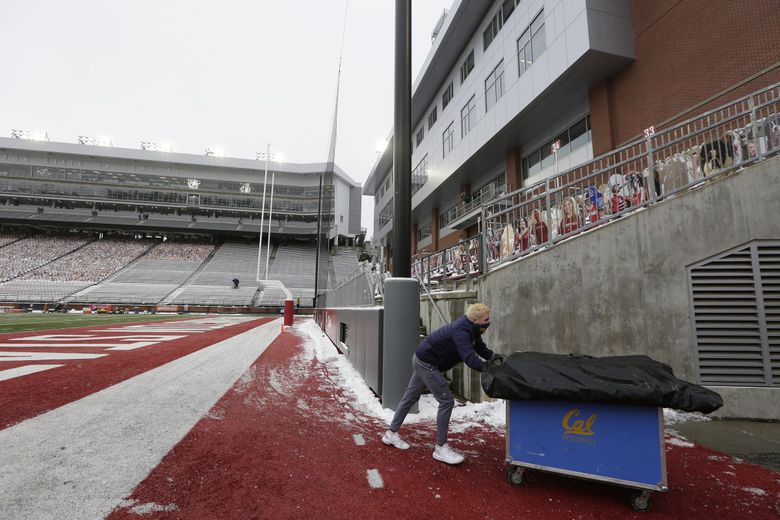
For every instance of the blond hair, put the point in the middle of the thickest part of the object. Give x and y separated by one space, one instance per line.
476 311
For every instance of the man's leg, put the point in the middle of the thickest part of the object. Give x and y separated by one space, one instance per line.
411 396
438 386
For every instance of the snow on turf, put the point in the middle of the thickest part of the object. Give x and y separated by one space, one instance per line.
345 377
490 413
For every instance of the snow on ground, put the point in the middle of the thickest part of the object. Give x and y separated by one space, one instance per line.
493 413
351 382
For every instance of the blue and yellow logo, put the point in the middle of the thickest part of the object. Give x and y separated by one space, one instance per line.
579 428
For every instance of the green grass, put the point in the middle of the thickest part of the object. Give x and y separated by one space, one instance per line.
27 322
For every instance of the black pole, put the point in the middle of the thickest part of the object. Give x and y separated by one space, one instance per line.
315 302
402 142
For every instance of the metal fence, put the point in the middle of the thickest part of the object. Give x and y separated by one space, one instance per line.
643 172
634 176
361 288
443 269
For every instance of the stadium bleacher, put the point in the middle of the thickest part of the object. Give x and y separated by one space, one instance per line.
145 271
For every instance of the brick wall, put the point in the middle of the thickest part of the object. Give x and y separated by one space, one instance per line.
686 51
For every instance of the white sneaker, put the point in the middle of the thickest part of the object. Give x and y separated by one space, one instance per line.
392 438
447 455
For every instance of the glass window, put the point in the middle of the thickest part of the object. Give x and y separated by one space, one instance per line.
420 136
447 96
548 158
563 144
494 86
507 9
579 134
447 140
432 118
531 44
524 52
492 29
537 39
467 67
534 164
468 116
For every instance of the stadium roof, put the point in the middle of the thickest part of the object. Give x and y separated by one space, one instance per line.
7 143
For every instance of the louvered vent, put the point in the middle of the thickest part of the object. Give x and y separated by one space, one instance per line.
736 306
769 263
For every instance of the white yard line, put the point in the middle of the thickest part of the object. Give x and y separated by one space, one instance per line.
80 460
375 479
23 371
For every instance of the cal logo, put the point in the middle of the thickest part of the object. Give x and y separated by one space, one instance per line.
578 427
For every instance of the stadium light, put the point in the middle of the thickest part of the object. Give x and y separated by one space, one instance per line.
270 214
266 156
215 151
245 187
99 140
32 135
156 147
193 184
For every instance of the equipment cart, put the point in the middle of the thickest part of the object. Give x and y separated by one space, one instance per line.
618 444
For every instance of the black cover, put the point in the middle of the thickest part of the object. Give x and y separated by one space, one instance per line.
634 380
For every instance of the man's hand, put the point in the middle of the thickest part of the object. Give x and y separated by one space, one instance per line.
496 360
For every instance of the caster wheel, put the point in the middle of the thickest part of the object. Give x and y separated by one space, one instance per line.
640 501
516 476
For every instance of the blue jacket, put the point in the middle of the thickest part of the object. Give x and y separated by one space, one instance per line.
453 343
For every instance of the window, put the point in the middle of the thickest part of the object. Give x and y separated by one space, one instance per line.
420 135
467 67
492 29
447 96
507 9
574 137
431 118
341 218
468 116
420 175
531 44
447 140
494 86
424 231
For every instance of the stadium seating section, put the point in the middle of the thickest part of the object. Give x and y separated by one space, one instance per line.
77 268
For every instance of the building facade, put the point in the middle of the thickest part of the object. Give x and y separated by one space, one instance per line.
514 92
49 183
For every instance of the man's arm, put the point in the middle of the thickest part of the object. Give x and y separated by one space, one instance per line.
462 340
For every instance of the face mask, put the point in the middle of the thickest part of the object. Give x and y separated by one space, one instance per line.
482 328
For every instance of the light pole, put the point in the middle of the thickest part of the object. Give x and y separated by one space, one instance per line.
270 214
267 155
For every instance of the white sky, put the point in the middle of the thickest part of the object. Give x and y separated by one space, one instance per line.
235 73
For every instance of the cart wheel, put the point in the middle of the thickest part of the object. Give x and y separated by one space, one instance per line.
516 476
640 501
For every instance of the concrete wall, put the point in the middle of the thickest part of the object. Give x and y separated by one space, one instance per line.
364 347
623 288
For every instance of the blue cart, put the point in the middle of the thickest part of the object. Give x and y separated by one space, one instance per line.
618 444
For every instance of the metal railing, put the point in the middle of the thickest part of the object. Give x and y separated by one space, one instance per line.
643 172
361 288
476 201
444 269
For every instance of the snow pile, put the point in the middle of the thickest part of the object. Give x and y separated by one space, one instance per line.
492 413
344 376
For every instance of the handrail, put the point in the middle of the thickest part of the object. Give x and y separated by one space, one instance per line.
699 149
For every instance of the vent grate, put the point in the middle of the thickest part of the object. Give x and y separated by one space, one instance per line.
735 300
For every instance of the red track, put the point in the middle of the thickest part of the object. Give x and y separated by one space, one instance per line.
280 445
33 394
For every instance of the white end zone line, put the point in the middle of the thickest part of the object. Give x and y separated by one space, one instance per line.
23 371
82 459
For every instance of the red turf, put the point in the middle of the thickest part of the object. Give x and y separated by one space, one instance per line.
279 445
25 397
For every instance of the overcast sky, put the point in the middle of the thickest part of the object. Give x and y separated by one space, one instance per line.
197 73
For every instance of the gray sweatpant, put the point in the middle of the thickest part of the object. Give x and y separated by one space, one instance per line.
425 375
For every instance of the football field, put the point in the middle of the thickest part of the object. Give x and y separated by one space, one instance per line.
29 321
